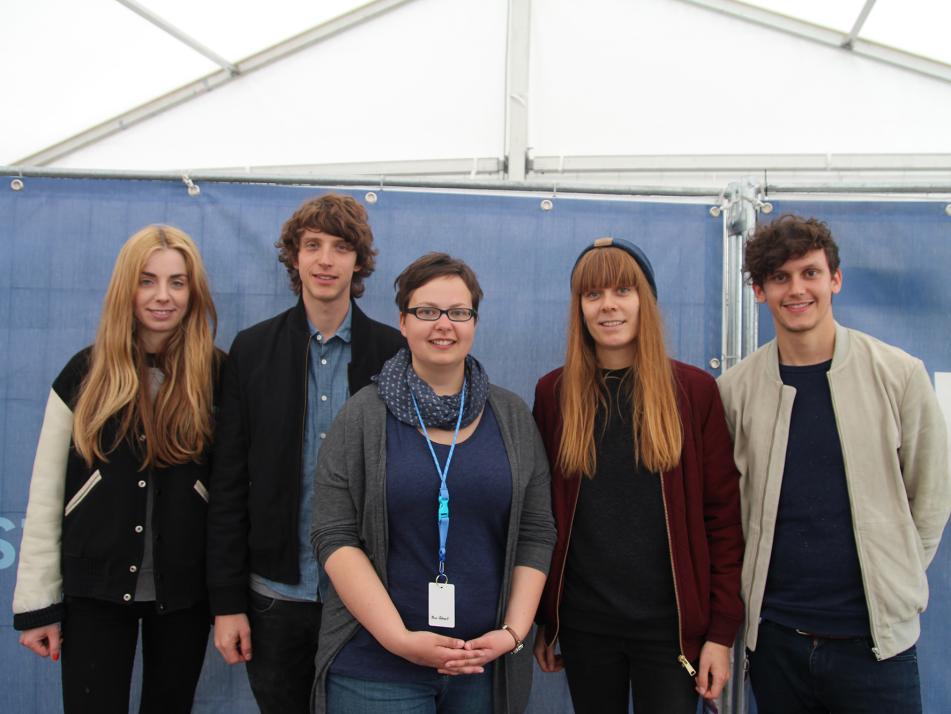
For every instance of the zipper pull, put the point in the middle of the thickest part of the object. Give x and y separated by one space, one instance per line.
685 663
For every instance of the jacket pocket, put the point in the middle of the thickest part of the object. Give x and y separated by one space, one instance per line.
82 492
202 491
897 575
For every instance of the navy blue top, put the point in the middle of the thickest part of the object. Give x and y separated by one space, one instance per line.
814 582
480 496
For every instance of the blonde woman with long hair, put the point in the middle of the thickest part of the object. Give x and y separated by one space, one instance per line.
643 590
115 526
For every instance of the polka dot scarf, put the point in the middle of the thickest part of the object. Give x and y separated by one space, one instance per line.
397 381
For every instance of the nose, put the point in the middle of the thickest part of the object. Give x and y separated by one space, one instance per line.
161 292
796 284
325 255
444 322
608 301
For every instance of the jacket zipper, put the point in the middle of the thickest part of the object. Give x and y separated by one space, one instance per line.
872 615
684 662
762 511
564 560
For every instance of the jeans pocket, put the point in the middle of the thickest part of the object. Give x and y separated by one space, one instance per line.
909 655
261 604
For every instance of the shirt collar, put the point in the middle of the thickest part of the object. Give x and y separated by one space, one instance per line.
343 332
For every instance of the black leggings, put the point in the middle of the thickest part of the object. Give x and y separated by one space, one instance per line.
99 640
603 670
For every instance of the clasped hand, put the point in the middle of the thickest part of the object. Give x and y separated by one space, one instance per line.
450 655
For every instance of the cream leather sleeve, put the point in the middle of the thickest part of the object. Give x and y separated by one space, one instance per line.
39 575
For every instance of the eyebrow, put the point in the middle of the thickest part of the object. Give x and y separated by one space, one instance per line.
153 275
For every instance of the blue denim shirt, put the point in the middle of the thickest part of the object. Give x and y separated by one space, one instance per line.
327 390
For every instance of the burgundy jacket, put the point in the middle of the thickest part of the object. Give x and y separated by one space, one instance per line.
701 504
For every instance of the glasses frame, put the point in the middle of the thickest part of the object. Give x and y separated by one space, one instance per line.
413 311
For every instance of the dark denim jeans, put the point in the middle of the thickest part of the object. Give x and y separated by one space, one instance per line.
603 671
283 645
799 674
459 694
99 640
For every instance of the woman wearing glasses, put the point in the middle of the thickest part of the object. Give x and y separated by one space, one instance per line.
433 521
643 592
115 526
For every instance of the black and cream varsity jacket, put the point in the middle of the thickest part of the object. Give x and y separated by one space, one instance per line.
84 534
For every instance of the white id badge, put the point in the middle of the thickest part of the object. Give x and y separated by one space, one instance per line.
442 605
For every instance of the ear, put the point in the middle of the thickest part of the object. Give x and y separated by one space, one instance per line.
759 293
403 324
837 281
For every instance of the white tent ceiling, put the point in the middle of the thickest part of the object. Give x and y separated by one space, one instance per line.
608 87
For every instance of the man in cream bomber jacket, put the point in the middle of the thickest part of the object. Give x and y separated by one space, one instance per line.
843 456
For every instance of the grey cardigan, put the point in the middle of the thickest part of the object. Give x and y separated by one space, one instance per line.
351 511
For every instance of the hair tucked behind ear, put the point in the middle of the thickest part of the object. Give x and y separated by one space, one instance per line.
658 435
177 422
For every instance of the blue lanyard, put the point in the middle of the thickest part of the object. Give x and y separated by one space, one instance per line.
442 509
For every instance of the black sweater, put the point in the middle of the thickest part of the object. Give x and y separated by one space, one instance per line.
619 579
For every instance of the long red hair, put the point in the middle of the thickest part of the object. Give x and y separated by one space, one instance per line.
658 435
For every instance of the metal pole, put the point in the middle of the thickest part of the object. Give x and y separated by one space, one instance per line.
181 36
739 205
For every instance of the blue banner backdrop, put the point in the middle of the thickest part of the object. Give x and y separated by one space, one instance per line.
61 237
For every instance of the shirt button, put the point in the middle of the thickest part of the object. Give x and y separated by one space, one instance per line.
141 484
139 529
133 569
323 397
320 337
323 361
323 435
127 597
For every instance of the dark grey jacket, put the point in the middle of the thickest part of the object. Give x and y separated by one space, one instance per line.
351 511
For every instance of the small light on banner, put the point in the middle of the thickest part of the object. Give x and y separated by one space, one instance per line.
16 184
547 204
371 197
947 209
715 211
714 363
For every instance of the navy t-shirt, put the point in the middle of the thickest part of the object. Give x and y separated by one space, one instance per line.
814 581
480 497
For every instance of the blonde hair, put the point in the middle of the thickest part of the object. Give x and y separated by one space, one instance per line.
658 435
177 420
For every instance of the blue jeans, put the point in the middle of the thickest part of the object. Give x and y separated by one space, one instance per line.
283 645
800 674
459 694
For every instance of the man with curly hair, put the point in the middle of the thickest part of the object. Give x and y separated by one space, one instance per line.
284 382
843 456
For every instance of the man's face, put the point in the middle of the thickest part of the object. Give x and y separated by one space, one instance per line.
799 293
326 264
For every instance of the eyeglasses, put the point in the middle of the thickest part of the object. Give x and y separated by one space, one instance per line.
431 314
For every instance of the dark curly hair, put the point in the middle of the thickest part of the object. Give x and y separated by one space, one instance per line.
789 236
429 267
337 215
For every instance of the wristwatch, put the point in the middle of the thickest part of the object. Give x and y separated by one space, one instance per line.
518 642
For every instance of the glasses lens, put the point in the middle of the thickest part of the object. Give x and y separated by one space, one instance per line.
459 314
427 313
